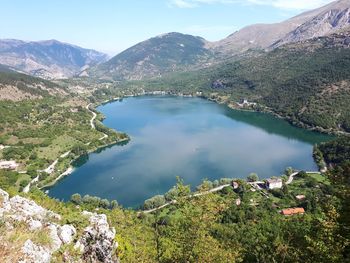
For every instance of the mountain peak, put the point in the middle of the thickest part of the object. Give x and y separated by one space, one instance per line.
48 59
153 57
329 19
318 22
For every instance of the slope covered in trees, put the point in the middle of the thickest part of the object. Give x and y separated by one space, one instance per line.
307 82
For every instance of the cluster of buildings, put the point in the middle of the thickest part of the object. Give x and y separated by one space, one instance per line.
271 184
245 102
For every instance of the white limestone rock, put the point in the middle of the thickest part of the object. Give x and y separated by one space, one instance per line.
34 224
97 243
34 254
4 197
23 209
56 241
67 233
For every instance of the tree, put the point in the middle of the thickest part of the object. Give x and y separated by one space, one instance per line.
76 199
114 204
253 177
171 194
288 171
79 149
154 202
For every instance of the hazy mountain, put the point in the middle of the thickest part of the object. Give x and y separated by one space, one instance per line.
47 59
153 57
318 22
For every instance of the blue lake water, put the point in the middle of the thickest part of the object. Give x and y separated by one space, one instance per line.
188 137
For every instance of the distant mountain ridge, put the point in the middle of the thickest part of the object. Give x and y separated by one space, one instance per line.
49 59
179 52
172 52
153 57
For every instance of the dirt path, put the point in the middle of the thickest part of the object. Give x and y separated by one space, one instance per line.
216 189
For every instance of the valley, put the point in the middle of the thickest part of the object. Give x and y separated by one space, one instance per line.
180 149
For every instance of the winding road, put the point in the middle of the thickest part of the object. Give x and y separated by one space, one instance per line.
94 115
219 188
51 168
48 170
291 177
216 189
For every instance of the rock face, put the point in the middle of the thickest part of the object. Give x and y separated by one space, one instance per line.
22 209
315 23
34 253
19 209
329 20
97 242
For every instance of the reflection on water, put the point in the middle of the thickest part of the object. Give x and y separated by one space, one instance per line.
187 137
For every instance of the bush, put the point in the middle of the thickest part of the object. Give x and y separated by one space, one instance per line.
76 199
154 202
302 174
225 181
172 194
253 177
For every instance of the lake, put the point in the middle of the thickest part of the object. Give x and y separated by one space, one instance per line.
188 137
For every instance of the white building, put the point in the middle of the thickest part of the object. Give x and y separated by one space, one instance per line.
9 165
274 184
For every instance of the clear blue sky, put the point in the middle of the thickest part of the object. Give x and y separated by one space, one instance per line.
113 25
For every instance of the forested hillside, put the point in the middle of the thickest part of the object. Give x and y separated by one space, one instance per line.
307 82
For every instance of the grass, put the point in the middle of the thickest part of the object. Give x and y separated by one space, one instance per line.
19 234
320 178
58 146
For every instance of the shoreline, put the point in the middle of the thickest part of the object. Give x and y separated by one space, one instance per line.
71 168
228 104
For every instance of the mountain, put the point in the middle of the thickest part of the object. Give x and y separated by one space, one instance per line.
16 86
153 57
306 82
314 23
47 59
179 52
331 18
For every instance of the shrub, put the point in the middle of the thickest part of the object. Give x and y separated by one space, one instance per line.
76 199
154 202
253 177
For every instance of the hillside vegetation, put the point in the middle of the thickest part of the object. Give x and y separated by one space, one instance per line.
152 58
308 82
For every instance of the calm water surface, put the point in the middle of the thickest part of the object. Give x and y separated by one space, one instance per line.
188 137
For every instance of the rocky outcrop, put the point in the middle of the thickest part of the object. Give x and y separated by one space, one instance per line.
324 24
21 210
34 253
315 23
97 242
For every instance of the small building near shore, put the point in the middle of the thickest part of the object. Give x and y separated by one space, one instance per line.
300 197
274 184
8 165
293 211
